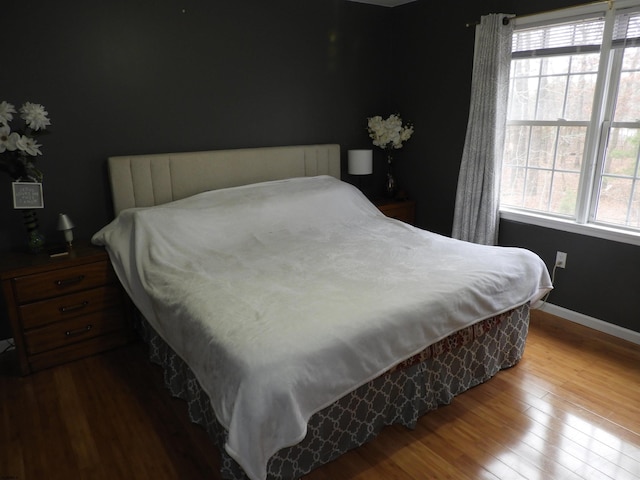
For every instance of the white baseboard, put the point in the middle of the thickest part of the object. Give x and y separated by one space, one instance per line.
602 326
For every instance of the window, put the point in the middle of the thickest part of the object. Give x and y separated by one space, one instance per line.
572 143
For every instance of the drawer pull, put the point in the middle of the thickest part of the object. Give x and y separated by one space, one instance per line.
69 281
71 308
79 331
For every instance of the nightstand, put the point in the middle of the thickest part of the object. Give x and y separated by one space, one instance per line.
404 210
63 308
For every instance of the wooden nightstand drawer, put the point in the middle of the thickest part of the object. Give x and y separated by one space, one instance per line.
62 281
61 308
77 329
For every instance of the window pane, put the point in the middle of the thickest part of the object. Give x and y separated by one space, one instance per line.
564 193
523 98
543 147
552 93
628 101
513 160
537 188
546 163
567 85
622 152
580 97
516 145
571 148
588 63
618 195
631 59
555 66
512 186
526 67
613 203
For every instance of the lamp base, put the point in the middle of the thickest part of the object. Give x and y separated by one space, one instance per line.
35 239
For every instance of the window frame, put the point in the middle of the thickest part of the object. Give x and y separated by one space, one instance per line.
595 144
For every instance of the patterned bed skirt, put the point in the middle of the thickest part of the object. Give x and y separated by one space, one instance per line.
401 396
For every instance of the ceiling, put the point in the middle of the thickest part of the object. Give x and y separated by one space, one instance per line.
384 3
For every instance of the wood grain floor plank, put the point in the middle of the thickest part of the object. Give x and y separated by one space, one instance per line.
457 428
411 463
570 410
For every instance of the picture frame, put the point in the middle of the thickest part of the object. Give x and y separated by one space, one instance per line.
27 195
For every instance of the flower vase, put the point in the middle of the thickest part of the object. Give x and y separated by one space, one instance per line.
391 187
35 239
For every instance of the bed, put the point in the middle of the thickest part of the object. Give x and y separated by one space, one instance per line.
292 316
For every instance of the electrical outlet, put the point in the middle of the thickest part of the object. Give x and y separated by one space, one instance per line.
561 259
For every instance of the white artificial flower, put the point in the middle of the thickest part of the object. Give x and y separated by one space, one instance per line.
19 149
8 140
34 115
389 133
406 133
6 111
29 145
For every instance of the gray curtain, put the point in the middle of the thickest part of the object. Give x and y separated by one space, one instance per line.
476 212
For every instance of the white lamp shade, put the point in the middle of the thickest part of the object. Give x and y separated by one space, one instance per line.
360 162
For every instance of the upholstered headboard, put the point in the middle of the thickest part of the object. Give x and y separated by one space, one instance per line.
147 180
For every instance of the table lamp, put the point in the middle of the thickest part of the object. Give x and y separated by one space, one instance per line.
66 225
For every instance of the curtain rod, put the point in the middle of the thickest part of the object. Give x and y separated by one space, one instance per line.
508 18
505 21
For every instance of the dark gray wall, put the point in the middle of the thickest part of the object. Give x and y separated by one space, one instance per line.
433 52
136 76
140 76
601 279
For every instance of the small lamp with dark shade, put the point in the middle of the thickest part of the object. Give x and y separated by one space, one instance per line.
66 225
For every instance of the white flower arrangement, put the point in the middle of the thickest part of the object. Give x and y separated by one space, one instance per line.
389 133
18 148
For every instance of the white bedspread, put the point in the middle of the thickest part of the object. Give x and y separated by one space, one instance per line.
284 296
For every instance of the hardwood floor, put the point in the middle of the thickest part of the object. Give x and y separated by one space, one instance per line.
569 410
